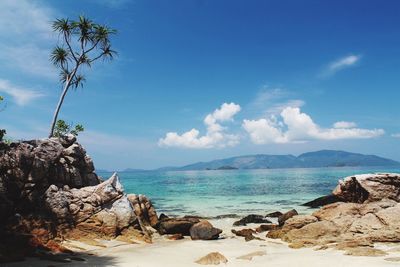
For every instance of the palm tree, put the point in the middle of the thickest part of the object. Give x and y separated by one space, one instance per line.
83 42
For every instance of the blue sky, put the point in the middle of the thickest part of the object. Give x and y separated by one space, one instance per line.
197 80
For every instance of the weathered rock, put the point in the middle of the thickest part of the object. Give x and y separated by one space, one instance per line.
321 201
266 227
213 258
28 168
144 209
297 222
204 231
252 218
176 225
282 219
371 187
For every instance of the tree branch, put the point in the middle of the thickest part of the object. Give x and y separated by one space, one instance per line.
70 48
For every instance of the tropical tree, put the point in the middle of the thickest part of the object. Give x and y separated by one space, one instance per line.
82 43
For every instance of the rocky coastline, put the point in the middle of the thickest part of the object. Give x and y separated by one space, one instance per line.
50 194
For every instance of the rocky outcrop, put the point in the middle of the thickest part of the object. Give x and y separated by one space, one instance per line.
28 168
322 201
49 191
369 187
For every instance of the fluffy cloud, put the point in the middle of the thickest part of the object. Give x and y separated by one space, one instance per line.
216 135
344 125
295 126
396 135
21 96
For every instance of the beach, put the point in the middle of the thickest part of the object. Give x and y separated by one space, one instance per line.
182 253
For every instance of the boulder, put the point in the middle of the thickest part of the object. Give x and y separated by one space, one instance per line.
176 225
298 221
371 187
204 231
246 233
213 258
252 218
284 217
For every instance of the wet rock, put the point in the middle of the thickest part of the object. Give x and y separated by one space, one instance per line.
286 216
322 201
252 218
213 258
204 231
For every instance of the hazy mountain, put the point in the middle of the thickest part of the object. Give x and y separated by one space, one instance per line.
323 158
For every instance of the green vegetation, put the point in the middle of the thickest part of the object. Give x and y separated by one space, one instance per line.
62 128
82 43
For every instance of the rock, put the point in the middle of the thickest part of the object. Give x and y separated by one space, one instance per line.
246 233
393 259
274 214
144 209
213 258
204 231
371 187
266 227
322 201
252 218
286 216
176 225
275 234
250 256
298 221
365 251
320 232
162 217
175 237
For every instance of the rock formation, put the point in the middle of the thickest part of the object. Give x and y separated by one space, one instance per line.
371 214
49 191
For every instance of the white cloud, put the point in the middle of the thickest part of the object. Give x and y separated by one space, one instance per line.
216 135
340 64
25 32
396 135
344 125
296 126
21 96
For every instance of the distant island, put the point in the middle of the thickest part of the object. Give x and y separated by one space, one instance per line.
317 159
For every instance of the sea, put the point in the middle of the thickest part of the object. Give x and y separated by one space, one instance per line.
212 193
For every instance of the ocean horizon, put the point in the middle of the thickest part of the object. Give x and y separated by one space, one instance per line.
240 192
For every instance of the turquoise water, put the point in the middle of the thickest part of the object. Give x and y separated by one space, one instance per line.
211 193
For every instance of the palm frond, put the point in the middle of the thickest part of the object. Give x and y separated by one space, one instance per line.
60 57
78 81
62 26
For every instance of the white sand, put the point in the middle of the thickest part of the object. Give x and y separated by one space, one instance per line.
183 253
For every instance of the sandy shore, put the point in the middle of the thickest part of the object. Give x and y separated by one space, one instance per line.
182 253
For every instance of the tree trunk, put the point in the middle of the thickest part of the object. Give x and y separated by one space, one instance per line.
60 102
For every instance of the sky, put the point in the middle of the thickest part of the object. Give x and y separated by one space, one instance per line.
197 80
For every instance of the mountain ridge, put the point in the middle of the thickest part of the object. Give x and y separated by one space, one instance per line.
315 159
